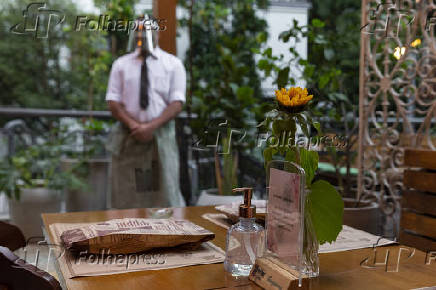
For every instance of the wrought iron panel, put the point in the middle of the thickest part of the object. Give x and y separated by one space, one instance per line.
397 102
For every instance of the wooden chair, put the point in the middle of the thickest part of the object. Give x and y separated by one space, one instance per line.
16 274
11 237
418 219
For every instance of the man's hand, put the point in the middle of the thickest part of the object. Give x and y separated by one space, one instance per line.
143 132
133 126
120 113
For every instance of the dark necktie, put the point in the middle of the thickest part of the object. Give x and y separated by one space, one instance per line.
143 101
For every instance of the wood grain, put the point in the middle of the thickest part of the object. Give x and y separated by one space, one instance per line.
166 10
420 158
338 270
420 202
419 242
420 224
420 180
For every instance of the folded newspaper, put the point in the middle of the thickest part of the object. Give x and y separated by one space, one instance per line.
133 235
76 264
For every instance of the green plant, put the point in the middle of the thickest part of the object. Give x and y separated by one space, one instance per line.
123 10
226 176
223 81
39 166
324 204
69 69
328 74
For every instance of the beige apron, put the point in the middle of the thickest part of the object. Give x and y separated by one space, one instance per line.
145 175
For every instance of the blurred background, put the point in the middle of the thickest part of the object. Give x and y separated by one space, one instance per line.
54 120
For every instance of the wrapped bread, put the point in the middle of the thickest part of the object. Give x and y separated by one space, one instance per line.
133 235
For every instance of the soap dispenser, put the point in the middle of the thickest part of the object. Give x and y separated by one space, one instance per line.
245 240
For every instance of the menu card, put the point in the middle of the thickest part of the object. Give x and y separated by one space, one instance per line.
285 216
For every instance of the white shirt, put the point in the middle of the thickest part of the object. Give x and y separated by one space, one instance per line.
167 83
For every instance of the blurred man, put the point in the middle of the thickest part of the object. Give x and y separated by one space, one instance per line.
145 93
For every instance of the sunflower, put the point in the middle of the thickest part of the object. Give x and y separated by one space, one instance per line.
294 99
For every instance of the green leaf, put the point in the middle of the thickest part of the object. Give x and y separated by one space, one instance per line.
261 37
317 126
282 77
309 162
324 80
284 129
303 125
268 155
243 93
285 35
317 23
268 52
263 64
326 210
338 97
291 155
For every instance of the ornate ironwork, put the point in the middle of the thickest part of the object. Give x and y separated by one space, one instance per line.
397 107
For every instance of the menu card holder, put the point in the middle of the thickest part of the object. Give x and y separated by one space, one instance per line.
282 264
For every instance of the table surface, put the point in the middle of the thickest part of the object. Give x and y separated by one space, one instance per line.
341 270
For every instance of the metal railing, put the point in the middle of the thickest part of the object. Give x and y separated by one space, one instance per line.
14 128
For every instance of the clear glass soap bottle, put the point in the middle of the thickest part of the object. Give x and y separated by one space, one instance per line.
245 240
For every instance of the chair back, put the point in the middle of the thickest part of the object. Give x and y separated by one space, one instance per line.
11 237
16 274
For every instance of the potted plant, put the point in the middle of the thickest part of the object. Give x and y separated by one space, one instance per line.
334 87
92 164
224 85
323 206
226 169
33 182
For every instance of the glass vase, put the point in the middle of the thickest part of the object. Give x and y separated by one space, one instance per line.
310 259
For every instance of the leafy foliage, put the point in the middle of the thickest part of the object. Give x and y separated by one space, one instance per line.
120 10
39 165
330 71
326 208
223 80
324 204
67 70
31 69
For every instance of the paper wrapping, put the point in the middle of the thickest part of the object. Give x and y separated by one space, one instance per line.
133 235
76 264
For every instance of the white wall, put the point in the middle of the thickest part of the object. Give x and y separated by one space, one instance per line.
279 18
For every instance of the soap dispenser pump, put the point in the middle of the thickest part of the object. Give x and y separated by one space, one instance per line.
245 240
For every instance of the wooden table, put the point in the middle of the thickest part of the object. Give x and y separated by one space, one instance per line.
340 270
